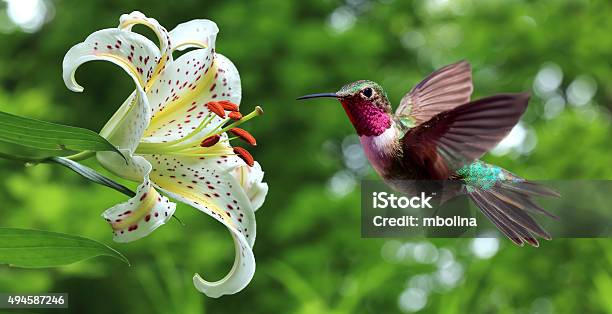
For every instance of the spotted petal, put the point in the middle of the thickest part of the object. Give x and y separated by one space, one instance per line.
194 34
180 80
140 215
208 185
125 49
181 77
179 118
127 21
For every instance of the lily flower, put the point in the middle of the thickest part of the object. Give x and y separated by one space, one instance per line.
175 130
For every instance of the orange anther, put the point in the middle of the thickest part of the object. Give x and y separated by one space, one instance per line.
235 115
217 109
244 155
210 141
244 135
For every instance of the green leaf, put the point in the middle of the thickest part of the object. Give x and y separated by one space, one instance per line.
35 248
50 136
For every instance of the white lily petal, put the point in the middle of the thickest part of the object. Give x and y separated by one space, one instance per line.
128 124
195 33
132 52
134 169
181 79
228 81
140 215
179 118
117 117
208 185
251 180
127 21
239 276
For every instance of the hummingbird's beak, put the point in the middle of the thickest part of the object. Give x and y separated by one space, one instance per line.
332 95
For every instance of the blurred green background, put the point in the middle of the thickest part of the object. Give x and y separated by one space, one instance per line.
310 256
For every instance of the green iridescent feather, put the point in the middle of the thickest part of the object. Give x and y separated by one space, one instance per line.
480 175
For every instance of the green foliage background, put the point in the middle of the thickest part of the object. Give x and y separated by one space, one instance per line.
310 256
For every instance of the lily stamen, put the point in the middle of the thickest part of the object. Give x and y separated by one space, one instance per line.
229 139
244 155
244 135
200 127
210 141
216 108
183 145
228 105
235 115
203 154
257 112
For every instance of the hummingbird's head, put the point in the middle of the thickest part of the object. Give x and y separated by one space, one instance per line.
366 105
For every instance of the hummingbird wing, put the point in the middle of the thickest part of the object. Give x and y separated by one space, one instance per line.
453 138
442 90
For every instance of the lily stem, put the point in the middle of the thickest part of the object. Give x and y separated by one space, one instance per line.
69 162
32 161
86 154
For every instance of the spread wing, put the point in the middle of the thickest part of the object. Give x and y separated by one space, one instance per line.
458 136
442 90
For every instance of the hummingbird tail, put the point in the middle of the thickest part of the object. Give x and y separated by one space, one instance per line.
507 201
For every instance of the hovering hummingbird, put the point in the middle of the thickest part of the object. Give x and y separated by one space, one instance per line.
437 133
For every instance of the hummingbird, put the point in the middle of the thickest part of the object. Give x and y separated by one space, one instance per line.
437 133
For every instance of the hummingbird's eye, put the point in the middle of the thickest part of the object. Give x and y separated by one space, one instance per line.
367 92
